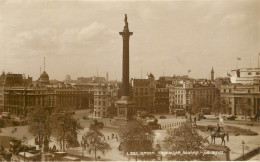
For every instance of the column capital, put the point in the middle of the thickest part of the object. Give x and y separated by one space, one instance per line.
126 35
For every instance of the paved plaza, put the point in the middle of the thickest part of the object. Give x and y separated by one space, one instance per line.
251 142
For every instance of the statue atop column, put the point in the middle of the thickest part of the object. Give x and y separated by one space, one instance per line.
126 23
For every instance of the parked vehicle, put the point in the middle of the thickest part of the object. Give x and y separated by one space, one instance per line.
179 112
6 115
162 117
206 111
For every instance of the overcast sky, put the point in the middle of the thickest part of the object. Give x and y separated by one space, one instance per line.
170 37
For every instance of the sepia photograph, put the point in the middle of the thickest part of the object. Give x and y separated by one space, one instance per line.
129 80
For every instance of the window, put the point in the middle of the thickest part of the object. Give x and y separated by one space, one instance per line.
249 101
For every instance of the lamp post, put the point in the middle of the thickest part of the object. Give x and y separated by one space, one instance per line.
83 145
23 142
243 145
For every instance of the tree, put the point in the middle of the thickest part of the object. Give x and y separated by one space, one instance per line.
40 125
96 125
94 140
136 137
65 128
186 139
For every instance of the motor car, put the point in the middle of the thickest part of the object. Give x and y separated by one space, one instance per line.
179 112
162 117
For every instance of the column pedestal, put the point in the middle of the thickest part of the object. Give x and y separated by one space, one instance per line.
226 151
125 108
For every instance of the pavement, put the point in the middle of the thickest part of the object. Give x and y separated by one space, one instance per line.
255 158
235 142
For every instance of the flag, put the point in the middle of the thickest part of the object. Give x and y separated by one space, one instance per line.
238 58
189 71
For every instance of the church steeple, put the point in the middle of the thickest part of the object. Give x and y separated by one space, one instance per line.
212 74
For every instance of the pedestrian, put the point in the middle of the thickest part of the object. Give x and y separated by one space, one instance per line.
221 120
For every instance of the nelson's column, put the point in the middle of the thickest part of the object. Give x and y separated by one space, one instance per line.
125 105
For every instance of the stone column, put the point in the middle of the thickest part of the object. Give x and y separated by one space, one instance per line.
125 72
125 104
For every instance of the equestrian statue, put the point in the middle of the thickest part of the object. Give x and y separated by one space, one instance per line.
219 133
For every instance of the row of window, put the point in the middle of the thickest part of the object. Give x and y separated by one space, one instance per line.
230 91
195 92
143 89
100 103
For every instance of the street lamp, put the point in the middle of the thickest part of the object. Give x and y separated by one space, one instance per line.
243 144
83 145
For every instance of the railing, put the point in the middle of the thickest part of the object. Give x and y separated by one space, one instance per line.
171 125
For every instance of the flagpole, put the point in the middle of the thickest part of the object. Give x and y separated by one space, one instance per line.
236 63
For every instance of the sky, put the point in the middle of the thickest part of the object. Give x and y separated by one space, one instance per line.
80 38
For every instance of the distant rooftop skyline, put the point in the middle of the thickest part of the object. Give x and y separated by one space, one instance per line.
170 37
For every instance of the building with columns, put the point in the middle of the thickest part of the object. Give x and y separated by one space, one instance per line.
242 95
18 97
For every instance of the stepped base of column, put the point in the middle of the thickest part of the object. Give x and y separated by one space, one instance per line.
117 123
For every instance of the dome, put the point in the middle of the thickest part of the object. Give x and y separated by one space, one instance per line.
44 75
150 76
44 78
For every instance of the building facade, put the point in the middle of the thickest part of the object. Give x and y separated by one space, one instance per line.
18 98
161 99
193 96
245 75
144 94
102 100
240 99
